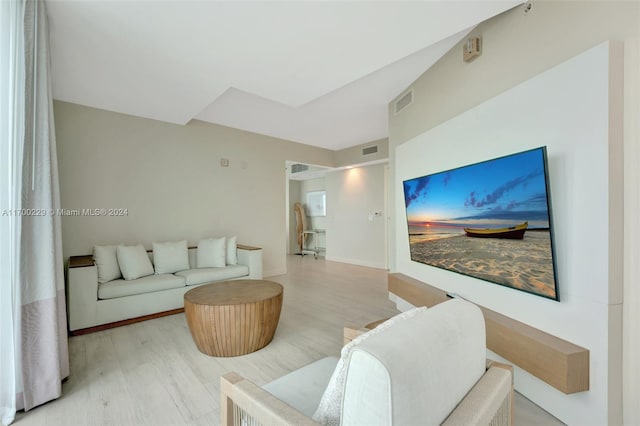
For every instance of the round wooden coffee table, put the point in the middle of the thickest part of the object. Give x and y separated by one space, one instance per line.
232 318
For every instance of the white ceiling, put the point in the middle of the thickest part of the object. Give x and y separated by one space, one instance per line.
315 72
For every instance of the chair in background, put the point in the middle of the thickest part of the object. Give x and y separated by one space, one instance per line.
424 367
302 233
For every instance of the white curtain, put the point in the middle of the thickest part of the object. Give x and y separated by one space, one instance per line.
11 137
34 356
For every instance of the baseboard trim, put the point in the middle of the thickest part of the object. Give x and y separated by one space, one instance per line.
115 324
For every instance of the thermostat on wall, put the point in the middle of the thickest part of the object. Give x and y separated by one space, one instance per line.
472 48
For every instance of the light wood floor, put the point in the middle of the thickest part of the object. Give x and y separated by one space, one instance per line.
151 373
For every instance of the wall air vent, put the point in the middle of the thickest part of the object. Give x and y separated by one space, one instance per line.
297 168
370 150
404 101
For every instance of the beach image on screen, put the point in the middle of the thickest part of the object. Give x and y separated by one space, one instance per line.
489 220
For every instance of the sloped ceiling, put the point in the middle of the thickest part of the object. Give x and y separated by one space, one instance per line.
319 73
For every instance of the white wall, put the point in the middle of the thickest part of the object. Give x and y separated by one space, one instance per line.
516 47
354 234
170 179
567 109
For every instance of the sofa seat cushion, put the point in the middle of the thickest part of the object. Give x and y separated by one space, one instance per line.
303 388
148 284
210 275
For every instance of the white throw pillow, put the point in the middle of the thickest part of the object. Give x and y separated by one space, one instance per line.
107 263
170 257
232 253
134 262
212 253
328 412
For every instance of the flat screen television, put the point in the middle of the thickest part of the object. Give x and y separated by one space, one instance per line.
490 220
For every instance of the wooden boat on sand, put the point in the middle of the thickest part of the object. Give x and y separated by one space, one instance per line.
512 232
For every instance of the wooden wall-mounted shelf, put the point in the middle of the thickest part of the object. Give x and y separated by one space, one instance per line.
559 363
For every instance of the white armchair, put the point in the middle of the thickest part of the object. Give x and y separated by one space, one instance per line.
424 367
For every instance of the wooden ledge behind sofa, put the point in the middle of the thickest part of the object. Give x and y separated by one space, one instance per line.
559 363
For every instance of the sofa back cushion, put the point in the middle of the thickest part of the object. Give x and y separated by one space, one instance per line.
134 261
106 261
193 258
212 253
416 372
170 257
232 251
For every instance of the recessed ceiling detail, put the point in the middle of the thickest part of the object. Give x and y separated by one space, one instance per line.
319 73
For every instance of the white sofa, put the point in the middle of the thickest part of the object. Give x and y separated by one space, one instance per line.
422 367
91 304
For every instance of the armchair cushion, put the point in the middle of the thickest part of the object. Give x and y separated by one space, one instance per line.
416 373
328 411
303 388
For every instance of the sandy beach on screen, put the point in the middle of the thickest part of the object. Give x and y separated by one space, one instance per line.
524 264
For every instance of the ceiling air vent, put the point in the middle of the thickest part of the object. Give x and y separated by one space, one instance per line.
370 150
404 101
297 168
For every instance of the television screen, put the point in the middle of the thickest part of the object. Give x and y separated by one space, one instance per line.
490 220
